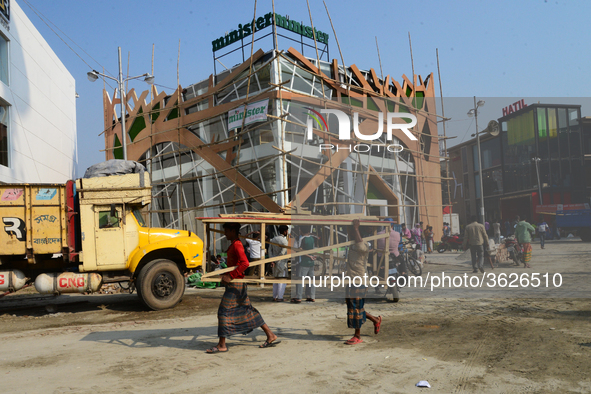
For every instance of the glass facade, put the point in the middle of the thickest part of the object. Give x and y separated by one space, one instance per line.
550 133
4 59
4 135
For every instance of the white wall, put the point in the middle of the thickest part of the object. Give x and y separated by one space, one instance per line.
41 94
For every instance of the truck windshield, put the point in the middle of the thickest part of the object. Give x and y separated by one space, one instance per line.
139 218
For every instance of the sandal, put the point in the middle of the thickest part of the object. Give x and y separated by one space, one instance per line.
353 341
295 301
376 327
269 344
309 300
214 350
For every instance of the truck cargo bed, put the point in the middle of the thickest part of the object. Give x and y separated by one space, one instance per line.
33 219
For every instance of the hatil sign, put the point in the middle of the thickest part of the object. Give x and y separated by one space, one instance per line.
516 106
344 123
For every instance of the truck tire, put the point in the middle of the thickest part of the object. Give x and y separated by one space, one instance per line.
585 234
160 284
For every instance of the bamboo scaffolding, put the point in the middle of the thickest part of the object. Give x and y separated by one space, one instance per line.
348 73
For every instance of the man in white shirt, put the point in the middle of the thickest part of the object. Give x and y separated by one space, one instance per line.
542 228
277 248
254 251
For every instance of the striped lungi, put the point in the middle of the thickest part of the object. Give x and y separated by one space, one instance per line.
236 315
355 306
526 247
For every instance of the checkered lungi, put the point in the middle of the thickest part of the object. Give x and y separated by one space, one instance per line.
236 315
355 306
526 247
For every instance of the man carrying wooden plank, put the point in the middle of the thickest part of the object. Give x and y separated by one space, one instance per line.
355 296
236 315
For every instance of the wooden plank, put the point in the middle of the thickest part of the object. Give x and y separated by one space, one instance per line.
292 255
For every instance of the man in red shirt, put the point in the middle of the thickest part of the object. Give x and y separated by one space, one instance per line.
236 315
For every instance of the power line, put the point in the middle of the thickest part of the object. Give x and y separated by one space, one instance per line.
467 130
46 20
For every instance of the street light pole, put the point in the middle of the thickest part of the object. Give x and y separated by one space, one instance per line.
537 160
479 162
94 75
474 112
123 111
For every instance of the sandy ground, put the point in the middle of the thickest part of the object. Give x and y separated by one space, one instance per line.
458 342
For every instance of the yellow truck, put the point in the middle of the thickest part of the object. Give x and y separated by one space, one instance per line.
73 237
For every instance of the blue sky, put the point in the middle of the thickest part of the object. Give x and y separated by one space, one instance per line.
507 49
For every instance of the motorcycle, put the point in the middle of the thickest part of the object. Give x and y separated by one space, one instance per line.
410 257
514 250
450 243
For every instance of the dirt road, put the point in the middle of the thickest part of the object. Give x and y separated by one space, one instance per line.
102 344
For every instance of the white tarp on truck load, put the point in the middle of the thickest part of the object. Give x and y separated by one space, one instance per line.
114 167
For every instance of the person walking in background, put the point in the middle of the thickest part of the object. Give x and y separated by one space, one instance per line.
254 251
393 242
523 232
446 229
507 228
542 229
423 243
307 242
428 237
417 235
278 248
497 232
404 232
477 239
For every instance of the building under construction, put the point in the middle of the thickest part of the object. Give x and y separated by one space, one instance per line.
253 137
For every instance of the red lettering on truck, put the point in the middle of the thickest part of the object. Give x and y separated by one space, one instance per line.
63 282
2 280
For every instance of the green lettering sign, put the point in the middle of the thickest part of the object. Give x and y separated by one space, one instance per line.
266 21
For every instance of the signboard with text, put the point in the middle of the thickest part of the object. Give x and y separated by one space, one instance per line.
255 112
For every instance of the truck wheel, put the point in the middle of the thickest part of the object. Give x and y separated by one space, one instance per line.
160 284
585 234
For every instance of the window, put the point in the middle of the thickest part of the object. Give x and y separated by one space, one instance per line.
4 135
491 153
552 133
542 133
108 221
563 132
477 185
492 182
3 59
139 217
